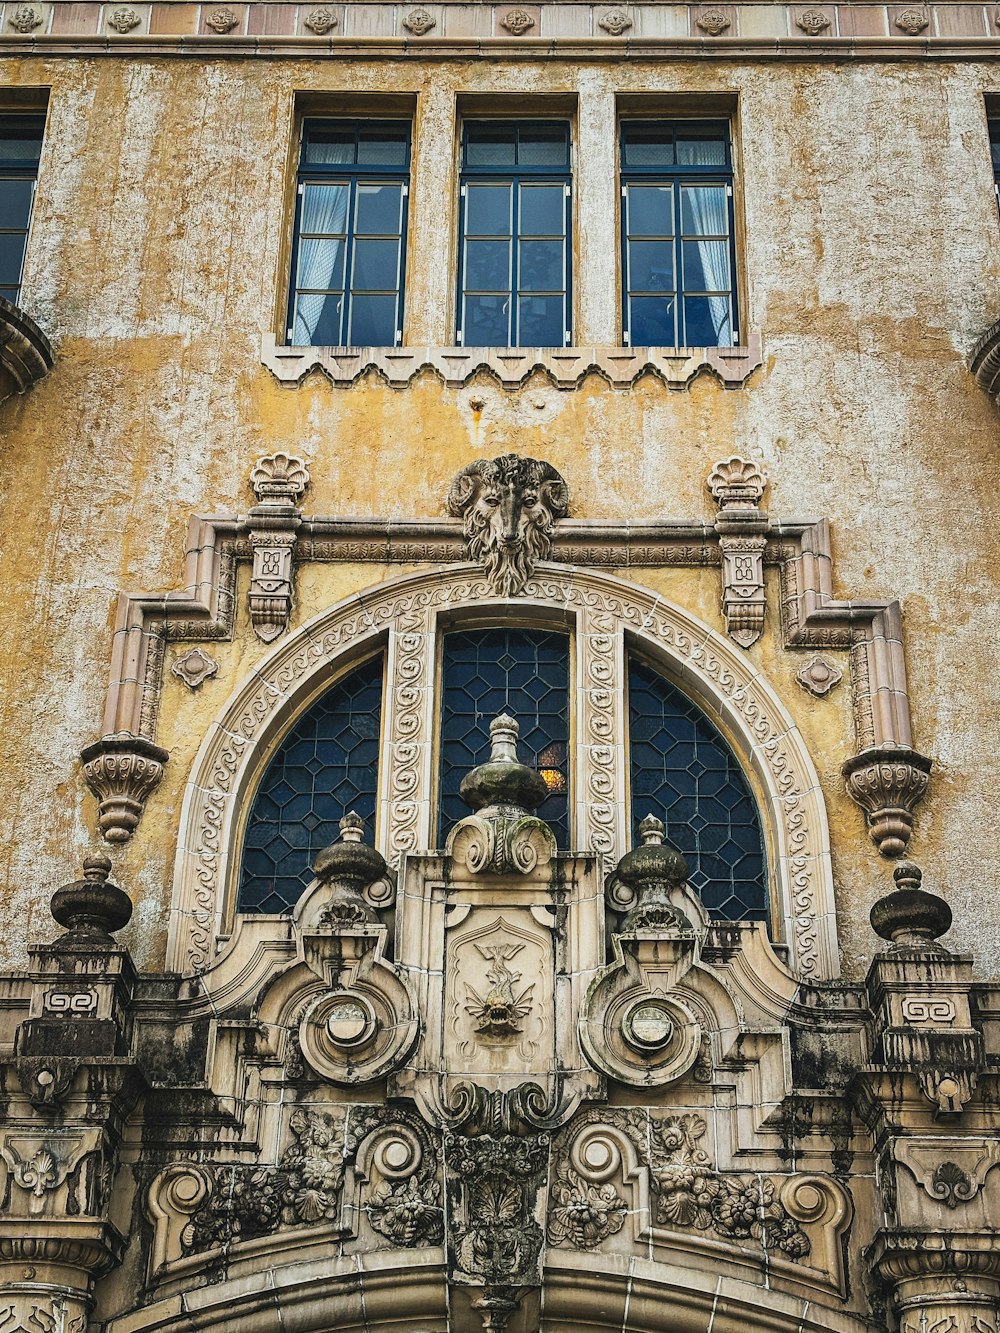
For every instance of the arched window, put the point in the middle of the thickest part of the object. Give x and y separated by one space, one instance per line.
518 671
681 767
683 771
325 766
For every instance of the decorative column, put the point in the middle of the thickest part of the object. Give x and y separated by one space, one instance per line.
737 486
62 1128
936 1257
279 482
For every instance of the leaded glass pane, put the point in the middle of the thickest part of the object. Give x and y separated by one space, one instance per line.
684 773
325 766
521 672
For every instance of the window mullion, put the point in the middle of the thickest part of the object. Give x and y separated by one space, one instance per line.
513 322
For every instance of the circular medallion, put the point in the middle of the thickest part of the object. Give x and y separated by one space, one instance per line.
349 1021
648 1026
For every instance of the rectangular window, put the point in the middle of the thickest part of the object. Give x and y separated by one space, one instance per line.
514 241
350 228
994 124
678 261
20 147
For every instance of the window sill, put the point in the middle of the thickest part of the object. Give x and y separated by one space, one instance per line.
676 367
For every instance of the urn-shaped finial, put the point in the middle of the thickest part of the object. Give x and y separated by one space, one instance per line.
503 780
348 866
909 917
91 909
651 871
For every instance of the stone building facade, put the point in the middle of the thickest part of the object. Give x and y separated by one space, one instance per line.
534 804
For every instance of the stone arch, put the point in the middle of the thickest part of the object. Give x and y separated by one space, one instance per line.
406 614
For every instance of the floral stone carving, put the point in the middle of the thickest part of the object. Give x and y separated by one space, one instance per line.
713 21
508 506
517 21
813 22
25 18
123 20
913 21
321 21
195 667
888 782
615 21
419 21
221 21
583 1213
122 770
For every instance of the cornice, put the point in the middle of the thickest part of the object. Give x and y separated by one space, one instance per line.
557 30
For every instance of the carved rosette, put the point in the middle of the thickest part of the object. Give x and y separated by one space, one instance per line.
418 21
124 19
508 507
813 22
122 771
913 21
615 22
25 19
517 21
713 21
888 782
737 487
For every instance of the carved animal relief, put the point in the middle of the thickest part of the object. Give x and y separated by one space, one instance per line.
508 506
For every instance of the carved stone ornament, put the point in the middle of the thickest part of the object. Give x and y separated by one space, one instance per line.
819 676
913 21
321 21
813 22
122 771
222 21
713 21
615 21
280 477
508 506
501 836
517 21
123 19
419 21
195 667
952 1171
737 486
888 782
25 18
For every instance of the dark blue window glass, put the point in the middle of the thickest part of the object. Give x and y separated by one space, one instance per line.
521 672
20 147
514 283
684 773
350 229
994 124
677 234
325 766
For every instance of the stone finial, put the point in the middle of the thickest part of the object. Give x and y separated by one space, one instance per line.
909 917
651 871
91 909
503 780
502 835
349 865
279 479
508 506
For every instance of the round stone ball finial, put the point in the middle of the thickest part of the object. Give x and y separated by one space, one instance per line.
349 861
654 862
92 909
909 917
503 780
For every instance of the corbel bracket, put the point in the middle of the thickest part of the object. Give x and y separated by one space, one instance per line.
737 487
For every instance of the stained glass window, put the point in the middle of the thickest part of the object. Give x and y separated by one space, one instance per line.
325 766
684 773
521 672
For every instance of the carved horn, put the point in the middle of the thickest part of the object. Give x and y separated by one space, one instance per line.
554 489
464 487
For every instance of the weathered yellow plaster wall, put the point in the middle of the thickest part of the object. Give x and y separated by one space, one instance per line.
871 258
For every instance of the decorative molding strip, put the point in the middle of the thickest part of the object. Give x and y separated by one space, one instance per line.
25 352
620 366
811 618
